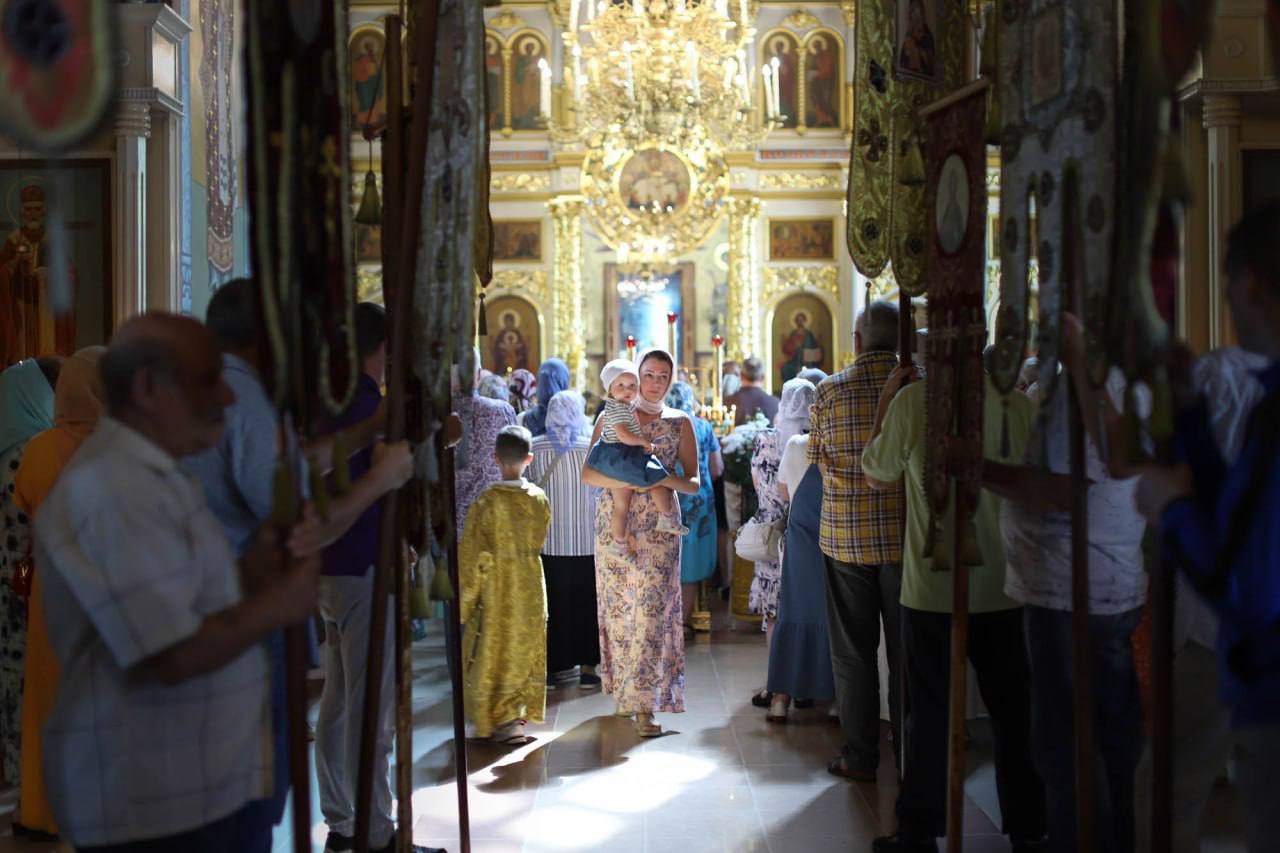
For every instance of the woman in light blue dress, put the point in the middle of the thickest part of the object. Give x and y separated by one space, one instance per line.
698 554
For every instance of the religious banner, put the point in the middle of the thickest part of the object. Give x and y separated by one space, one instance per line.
299 187
58 62
956 202
1057 97
454 207
910 52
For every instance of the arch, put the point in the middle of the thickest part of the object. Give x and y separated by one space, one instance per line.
785 339
785 47
822 81
516 333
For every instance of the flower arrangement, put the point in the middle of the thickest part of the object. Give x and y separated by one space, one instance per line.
737 449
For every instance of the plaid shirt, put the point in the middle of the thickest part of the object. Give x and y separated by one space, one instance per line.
859 525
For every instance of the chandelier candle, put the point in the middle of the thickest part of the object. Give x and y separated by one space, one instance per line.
717 345
631 347
671 339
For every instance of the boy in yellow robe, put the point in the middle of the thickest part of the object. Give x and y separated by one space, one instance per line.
504 598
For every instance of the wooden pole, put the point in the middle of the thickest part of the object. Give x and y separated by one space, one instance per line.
392 210
898 680
295 683
1081 672
398 309
956 758
454 638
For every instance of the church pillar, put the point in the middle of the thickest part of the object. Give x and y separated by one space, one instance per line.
743 321
1221 117
566 289
129 223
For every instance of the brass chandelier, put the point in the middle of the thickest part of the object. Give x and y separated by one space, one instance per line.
672 71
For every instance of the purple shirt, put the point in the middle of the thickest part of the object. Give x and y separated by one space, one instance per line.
357 549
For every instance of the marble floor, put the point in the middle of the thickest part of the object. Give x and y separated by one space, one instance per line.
722 779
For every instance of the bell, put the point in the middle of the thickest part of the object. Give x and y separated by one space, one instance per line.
370 212
441 587
912 171
482 322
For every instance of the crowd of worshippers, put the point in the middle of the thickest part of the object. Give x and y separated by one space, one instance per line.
145 594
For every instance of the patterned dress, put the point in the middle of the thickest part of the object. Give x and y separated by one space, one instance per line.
641 640
481 418
14 540
767 582
698 556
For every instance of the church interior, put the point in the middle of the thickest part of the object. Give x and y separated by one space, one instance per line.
726 181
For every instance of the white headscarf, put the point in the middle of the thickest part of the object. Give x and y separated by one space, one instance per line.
793 411
566 420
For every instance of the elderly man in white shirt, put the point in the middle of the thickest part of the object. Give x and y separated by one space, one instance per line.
160 731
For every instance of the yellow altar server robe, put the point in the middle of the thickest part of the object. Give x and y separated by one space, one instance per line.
504 605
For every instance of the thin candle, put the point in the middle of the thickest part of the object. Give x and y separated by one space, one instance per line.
544 90
765 74
671 328
777 92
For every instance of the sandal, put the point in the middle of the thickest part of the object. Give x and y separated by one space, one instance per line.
777 710
762 698
667 525
839 767
511 734
646 727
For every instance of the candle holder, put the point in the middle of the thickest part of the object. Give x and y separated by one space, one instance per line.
631 347
720 417
672 342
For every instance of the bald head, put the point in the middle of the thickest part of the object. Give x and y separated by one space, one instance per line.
162 375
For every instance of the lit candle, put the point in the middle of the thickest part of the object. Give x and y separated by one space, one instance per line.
765 73
691 57
577 67
730 68
717 344
631 347
624 252
671 336
722 8
742 15
573 14
637 6
544 91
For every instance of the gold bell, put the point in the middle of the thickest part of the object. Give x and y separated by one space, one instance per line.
441 587
370 212
912 174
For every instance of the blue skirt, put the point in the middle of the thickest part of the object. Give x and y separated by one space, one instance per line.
627 463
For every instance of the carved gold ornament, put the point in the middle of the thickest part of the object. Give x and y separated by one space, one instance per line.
526 282
516 182
506 20
779 280
801 181
800 20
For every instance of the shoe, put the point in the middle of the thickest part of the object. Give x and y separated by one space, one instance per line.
762 698
337 843
666 525
803 704
838 766
37 836
589 681
898 844
646 727
416 848
552 684
777 711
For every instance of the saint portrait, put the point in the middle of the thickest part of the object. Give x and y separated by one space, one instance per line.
513 340
801 239
55 292
368 240
916 45
951 209
526 82
1046 61
368 81
493 81
517 240
656 180
802 333
785 49
822 75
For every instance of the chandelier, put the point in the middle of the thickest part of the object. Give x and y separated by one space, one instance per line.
644 269
673 71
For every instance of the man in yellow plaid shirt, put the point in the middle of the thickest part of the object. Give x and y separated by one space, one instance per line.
861 541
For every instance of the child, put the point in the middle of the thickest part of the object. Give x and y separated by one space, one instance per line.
504 598
623 454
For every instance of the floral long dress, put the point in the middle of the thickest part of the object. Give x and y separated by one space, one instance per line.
641 640
767 582
14 539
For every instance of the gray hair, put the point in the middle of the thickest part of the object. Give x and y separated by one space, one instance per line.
878 325
752 369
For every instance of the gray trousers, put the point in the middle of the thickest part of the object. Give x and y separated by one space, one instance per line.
858 597
345 606
1202 741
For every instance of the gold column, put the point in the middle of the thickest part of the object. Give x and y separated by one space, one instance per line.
744 315
1221 118
566 289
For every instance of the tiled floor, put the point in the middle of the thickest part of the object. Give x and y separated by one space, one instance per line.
722 780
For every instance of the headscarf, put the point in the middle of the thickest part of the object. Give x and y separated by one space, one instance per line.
566 420
681 397
813 374
553 377
494 387
650 407
793 410
523 385
26 403
79 400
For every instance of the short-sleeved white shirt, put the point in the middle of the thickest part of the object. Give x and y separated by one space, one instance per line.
132 562
1038 544
795 462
